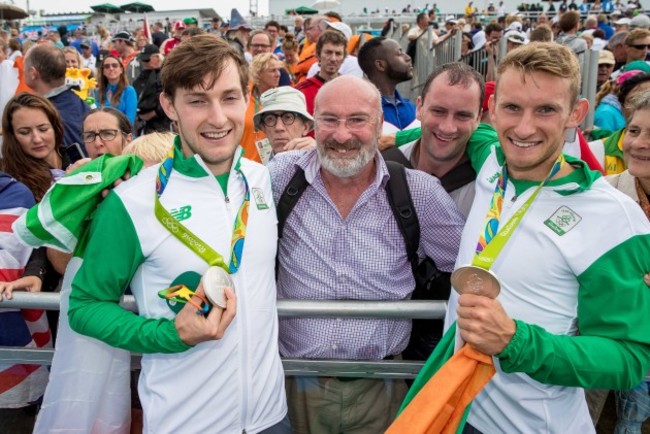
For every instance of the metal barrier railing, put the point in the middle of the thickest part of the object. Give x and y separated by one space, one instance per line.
589 72
417 309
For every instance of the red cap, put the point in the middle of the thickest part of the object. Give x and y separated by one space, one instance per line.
489 91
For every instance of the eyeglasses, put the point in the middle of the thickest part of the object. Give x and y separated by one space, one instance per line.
259 45
270 119
354 123
111 65
104 135
640 46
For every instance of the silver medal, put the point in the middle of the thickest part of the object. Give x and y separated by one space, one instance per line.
215 281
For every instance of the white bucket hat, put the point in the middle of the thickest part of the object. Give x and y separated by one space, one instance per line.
283 99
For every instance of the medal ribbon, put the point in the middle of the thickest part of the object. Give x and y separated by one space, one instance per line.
492 241
194 243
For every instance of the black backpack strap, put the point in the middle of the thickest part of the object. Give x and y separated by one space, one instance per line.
394 154
290 197
462 175
401 203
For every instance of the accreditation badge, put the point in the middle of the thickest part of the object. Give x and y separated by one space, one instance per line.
215 281
258 197
264 150
470 279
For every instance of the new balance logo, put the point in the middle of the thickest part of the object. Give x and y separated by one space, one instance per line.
182 213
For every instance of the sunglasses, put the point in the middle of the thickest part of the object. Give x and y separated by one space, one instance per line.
111 65
640 46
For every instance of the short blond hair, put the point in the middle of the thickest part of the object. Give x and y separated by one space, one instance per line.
548 57
635 35
638 102
152 147
260 64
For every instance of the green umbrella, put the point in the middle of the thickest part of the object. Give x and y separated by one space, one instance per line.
137 7
106 8
302 10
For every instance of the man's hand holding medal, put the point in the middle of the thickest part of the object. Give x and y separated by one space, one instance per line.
216 293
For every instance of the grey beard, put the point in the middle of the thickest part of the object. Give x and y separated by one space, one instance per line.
345 167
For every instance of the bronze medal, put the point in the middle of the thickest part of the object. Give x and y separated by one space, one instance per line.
470 279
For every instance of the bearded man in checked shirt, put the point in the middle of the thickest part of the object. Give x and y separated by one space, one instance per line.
342 242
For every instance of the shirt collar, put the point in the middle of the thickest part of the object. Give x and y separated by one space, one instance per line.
56 91
398 99
194 166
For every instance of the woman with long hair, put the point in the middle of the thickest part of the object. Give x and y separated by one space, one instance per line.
114 89
105 42
32 135
31 153
72 57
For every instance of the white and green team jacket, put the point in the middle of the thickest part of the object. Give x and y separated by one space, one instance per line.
224 386
572 278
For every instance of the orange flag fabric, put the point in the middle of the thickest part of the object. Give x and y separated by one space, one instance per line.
305 60
22 86
440 404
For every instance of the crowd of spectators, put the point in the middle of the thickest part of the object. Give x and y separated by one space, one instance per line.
49 130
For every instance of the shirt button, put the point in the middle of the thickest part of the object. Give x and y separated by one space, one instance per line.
334 346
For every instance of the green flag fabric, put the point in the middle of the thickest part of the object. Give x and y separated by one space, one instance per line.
66 210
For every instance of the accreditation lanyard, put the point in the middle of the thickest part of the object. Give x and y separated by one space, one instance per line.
492 240
194 243
292 77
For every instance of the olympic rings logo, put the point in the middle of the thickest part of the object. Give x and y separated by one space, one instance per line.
170 224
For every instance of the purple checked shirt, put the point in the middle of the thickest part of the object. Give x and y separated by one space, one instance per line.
362 257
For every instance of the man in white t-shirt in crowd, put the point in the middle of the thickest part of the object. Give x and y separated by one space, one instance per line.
350 65
87 59
421 24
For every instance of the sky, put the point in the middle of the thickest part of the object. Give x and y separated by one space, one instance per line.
222 7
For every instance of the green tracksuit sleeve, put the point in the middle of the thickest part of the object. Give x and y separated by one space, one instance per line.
111 258
407 136
612 350
480 146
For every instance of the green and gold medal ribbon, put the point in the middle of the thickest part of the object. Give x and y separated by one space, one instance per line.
492 240
193 242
